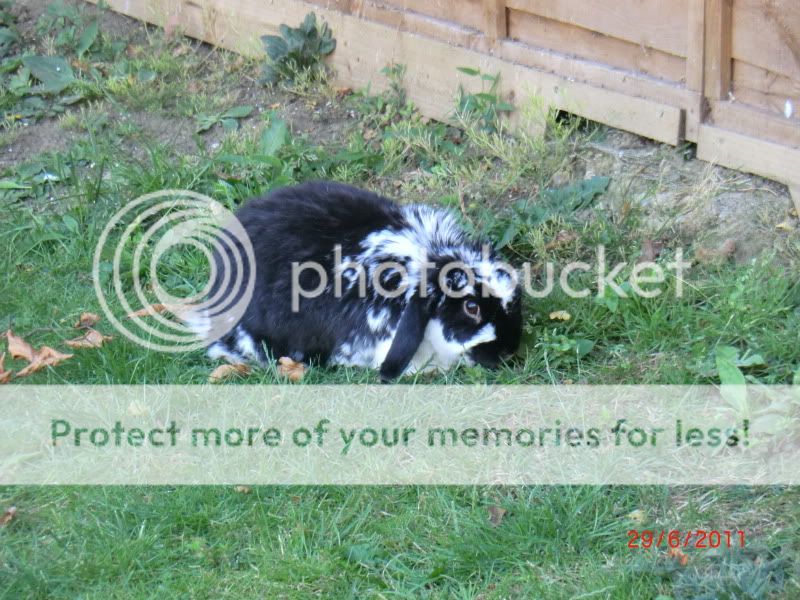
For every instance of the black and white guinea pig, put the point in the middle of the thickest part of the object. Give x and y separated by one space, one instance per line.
400 288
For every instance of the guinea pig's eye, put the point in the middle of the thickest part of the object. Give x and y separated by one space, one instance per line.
472 309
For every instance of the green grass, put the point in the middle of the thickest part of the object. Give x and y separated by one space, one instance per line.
393 542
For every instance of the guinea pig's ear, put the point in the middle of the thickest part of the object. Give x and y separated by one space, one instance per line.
410 331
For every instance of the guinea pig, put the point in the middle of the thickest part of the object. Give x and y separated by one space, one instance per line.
344 276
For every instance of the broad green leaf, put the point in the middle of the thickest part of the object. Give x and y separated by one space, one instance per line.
8 184
7 36
70 223
583 347
733 388
751 360
146 76
508 236
230 124
87 38
274 137
205 122
310 22
238 112
275 46
53 71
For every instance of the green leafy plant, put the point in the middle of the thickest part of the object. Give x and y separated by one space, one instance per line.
552 203
8 32
297 50
72 33
485 106
228 119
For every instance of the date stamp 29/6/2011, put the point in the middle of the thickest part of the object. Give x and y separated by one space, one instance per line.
692 538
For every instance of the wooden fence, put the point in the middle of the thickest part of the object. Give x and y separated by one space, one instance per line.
722 73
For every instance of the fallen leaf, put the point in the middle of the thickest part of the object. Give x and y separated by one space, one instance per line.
496 515
637 516
785 226
560 315
341 92
650 251
242 489
91 339
87 320
563 237
717 255
679 555
158 309
223 372
291 369
275 105
44 357
8 515
4 375
19 348
133 51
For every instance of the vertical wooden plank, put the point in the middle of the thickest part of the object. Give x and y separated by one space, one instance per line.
496 26
695 50
695 65
794 190
718 35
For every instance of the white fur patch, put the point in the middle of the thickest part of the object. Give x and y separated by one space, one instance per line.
245 344
436 352
377 321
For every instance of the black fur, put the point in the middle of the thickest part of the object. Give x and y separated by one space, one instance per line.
305 223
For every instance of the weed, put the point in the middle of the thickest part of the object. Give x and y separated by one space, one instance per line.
228 119
485 106
298 51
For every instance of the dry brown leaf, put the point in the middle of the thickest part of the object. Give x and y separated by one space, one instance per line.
10 513
717 255
679 555
44 357
91 339
242 489
19 348
496 515
223 372
563 237
637 516
560 315
275 105
650 251
87 320
4 375
341 92
159 309
295 371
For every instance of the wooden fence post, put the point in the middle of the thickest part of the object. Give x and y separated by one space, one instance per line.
717 72
496 26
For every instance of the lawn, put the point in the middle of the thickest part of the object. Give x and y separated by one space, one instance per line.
134 110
